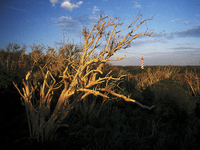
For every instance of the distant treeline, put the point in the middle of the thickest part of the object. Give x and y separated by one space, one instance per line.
137 69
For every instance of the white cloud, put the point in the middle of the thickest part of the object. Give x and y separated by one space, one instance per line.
64 19
175 20
70 6
54 2
117 7
186 22
73 24
197 15
94 18
66 4
68 24
95 8
189 22
138 6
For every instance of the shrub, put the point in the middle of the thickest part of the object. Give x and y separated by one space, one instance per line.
5 79
170 97
80 78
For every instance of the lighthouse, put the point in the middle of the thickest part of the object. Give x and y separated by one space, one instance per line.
142 63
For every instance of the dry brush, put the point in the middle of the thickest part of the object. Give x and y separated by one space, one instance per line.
80 78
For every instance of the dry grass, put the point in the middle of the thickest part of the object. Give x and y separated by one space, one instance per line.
150 77
192 80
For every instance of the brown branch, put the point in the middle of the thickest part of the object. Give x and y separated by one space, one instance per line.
94 92
126 98
19 91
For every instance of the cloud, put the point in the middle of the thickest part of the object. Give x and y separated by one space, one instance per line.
197 15
54 2
117 7
176 56
95 8
63 19
186 48
192 32
175 20
14 8
66 23
146 42
189 22
70 6
186 22
138 6
72 24
185 43
66 4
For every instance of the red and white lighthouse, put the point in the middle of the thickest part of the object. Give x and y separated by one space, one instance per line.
142 63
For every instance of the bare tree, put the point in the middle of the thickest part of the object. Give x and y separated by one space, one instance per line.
83 81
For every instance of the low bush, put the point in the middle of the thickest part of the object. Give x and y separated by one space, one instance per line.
170 96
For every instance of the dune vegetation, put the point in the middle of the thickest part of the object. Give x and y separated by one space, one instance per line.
71 97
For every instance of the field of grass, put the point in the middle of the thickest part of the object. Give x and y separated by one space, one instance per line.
96 123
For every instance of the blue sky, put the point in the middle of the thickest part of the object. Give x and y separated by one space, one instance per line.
45 21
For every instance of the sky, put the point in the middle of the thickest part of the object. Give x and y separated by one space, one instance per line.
44 22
